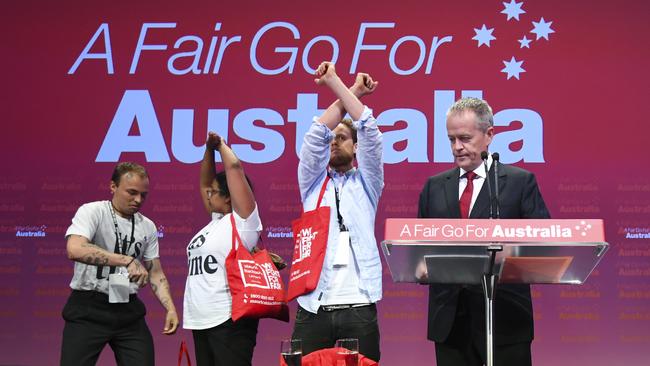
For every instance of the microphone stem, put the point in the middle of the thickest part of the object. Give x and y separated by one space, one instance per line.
496 182
489 186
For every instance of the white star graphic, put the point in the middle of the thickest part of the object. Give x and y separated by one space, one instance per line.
525 42
483 36
513 9
513 68
542 29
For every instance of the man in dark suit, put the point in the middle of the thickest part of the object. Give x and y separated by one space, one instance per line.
457 312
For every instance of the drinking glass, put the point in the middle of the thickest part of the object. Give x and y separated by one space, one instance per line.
347 350
291 351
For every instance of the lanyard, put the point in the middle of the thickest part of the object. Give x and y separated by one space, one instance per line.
337 194
124 249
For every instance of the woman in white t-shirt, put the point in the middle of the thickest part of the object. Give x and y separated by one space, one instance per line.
207 303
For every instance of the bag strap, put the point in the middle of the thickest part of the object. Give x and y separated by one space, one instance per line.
235 234
184 351
322 190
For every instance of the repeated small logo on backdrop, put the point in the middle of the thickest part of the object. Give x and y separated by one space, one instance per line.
31 231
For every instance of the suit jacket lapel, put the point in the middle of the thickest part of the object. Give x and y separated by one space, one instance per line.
451 193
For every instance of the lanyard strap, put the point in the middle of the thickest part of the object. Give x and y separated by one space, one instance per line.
123 249
342 227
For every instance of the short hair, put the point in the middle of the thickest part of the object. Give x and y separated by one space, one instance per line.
128 167
481 108
348 123
220 178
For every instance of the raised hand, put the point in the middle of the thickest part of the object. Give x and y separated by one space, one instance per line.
214 141
363 85
325 73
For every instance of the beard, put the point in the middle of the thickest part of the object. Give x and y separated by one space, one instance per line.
340 160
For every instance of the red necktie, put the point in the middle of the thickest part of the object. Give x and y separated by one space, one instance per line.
466 197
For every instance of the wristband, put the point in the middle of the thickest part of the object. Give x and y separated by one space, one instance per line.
128 264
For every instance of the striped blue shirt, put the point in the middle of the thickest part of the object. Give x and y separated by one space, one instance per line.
358 206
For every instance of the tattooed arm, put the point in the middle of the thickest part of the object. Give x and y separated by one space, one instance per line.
160 288
81 250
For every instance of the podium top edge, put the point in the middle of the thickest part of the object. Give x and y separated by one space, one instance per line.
495 230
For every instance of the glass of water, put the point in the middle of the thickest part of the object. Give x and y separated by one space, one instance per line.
291 351
347 350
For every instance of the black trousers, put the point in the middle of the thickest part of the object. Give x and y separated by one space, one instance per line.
321 330
227 344
91 322
465 346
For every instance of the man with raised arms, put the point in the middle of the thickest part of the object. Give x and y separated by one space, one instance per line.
343 305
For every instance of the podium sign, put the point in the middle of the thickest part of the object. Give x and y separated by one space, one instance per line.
528 251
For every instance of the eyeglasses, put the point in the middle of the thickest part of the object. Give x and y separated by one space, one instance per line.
210 192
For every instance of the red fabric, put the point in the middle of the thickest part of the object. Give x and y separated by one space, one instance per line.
310 233
255 283
329 357
184 352
466 197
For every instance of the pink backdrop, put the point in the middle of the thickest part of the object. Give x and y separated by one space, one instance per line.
570 107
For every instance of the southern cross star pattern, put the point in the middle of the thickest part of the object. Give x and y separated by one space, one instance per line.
513 68
484 36
513 10
542 29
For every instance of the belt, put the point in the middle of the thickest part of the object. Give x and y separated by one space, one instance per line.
329 308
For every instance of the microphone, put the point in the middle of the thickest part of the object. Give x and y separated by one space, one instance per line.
484 157
495 158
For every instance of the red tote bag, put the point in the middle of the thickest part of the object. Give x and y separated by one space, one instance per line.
255 283
310 233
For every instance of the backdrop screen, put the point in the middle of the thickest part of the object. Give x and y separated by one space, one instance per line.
88 84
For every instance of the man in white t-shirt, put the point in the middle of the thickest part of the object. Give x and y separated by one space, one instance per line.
115 250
